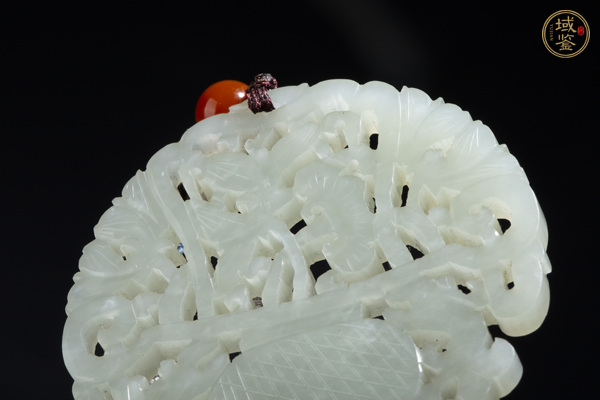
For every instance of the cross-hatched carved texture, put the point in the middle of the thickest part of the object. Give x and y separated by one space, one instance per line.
365 360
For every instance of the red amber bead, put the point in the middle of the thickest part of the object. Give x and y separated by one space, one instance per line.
219 97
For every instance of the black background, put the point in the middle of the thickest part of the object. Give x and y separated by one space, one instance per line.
92 90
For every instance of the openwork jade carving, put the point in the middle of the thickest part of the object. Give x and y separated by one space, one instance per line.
354 243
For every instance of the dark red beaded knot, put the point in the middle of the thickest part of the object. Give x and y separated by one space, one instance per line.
258 93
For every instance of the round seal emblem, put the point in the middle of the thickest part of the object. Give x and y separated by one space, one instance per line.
565 33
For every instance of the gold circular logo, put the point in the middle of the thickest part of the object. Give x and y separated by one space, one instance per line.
565 33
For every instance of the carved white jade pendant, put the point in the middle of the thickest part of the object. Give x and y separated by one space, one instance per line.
354 243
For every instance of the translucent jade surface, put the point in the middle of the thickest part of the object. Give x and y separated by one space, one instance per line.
354 243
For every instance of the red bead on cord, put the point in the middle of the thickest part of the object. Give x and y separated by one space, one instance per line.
220 96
